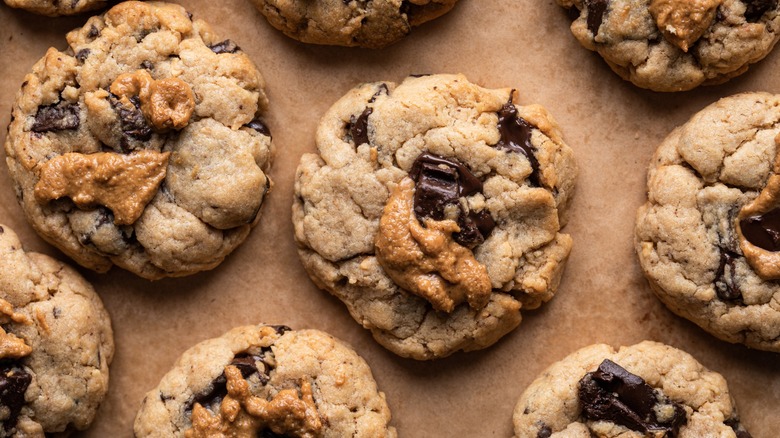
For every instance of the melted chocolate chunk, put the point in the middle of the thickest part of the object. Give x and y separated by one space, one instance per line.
82 55
755 9
596 10
147 65
132 121
763 230
259 126
440 182
358 127
227 46
516 137
739 430
57 117
13 384
382 90
544 431
281 329
94 32
246 364
726 286
613 394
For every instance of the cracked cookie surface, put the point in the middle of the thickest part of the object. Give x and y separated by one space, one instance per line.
683 398
55 8
677 45
148 129
701 236
57 379
267 363
433 211
372 24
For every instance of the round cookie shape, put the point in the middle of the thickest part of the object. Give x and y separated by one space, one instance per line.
142 145
54 8
280 382
711 190
371 24
56 344
648 389
433 211
677 45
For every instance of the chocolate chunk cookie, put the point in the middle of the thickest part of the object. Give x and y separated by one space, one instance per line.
373 24
143 144
648 389
676 45
267 381
433 211
55 8
707 238
56 344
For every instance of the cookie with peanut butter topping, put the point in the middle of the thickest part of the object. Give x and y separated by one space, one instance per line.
677 45
708 237
143 144
266 381
56 344
433 210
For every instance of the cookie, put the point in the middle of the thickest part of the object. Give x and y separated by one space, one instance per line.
433 211
56 344
648 389
266 381
54 8
707 236
372 24
677 45
142 145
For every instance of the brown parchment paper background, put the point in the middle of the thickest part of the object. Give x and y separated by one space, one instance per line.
612 126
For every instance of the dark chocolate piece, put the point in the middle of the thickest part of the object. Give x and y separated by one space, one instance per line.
763 230
132 120
358 127
227 46
516 137
739 430
147 65
544 431
755 9
58 117
380 91
259 126
94 32
82 55
440 182
726 286
613 394
247 364
596 10
281 329
13 384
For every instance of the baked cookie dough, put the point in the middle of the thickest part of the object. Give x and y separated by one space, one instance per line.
433 211
677 45
707 238
143 144
648 389
372 24
56 344
55 8
267 381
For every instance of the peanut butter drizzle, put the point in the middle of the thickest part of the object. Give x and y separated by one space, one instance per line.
11 346
426 261
123 183
243 415
683 22
167 103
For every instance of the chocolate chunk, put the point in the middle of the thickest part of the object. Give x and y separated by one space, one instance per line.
755 9
82 55
763 230
2 230
259 126
440 182
544 431
132 121
358 127
613 394
281 329
596 10
739 430
380 91
58 117
246 364
726 286
94 32
227 46
13 384
516 137
147 65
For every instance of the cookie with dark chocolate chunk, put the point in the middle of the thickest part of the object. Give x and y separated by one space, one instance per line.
56 344
708 238
434 211
648 389
677 45
267 381
373 24
143 144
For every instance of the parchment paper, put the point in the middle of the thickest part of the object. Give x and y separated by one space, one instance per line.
612 126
